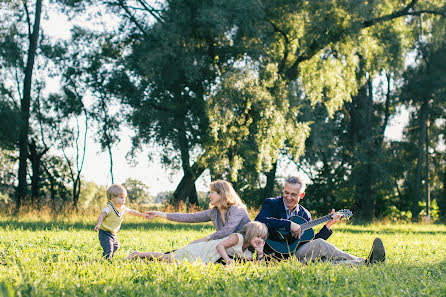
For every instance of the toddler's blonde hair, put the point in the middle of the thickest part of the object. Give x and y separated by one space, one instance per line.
116 191
254 229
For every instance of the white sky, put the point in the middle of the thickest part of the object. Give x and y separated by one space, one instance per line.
96 167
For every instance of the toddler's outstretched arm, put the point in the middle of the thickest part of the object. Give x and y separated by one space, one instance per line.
137 213
100 219
228 242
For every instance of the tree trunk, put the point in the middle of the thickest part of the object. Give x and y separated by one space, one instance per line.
76 191
185 163
25 108
111 162
36 161
268 191
362 166
188 182
35 165
424 110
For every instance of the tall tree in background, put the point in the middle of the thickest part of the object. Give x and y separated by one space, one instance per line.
170 72
425 90
26 98
249 125
16 18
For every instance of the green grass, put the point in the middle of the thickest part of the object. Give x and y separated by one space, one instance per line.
62 258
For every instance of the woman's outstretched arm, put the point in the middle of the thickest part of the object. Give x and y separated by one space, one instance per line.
196 217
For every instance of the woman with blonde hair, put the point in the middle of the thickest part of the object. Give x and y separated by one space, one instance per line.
227 213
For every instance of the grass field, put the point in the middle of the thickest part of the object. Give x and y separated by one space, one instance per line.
62 258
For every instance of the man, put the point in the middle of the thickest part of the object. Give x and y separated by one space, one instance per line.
276 213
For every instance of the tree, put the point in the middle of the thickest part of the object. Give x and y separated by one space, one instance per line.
75 140
249 125
23 48
424 89
137 191
18 16
55 181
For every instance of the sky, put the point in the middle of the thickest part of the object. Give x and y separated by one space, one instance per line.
152 173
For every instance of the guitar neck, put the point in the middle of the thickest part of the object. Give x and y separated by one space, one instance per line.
311 224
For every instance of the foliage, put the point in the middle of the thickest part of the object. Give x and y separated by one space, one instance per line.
424 91
90 195
63 258
249 127
178 84
164 197
9 117
8 161
137 191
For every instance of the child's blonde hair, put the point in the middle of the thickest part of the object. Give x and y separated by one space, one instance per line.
228 195
254 229
116 191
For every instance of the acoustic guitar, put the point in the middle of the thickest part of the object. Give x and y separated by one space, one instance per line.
285 244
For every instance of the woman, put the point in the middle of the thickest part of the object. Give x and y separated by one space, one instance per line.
228 212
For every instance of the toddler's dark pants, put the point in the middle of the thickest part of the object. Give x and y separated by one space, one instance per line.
109 243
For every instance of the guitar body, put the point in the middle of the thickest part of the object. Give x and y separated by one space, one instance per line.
283 243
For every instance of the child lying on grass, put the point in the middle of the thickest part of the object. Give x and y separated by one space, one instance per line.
235 245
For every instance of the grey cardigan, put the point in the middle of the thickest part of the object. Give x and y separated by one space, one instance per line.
236 217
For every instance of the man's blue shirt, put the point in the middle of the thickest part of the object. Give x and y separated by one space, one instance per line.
274 215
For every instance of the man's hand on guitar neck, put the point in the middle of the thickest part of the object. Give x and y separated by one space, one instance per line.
296 230
335 218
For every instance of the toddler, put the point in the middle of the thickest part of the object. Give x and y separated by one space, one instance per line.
110 219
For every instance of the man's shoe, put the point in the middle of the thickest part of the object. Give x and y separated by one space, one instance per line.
377 253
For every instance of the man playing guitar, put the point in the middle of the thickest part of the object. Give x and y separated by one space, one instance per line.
277 213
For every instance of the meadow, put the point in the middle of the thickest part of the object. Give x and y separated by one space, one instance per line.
62 257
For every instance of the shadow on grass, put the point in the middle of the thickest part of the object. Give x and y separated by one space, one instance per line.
149 226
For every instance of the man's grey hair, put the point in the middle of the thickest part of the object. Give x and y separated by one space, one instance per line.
296 180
